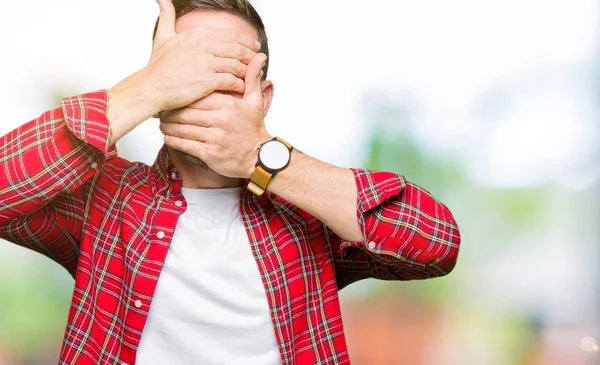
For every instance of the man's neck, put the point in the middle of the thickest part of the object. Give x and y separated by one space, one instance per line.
196 177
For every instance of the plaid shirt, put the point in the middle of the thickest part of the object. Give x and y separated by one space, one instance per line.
65 194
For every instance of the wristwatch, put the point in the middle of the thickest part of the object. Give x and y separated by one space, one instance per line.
273 157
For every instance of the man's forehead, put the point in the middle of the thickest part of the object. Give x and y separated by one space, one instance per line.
214 19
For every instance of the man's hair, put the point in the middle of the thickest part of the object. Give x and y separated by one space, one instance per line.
241 8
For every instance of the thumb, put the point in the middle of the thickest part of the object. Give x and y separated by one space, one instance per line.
254 79
166 22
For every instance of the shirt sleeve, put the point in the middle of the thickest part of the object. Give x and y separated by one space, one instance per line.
45 170
408 233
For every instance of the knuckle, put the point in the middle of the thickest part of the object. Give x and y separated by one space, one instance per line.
217 135
185 116
181 131
226 81
238 51
217 149
232 35
182 144
166 116
218 119
221 121
238 66
226 118
231 80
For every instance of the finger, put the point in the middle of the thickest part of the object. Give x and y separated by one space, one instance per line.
227 82
233 36
189 116
194 148
230 65
214 101
188 131
166 22
232 50
253 80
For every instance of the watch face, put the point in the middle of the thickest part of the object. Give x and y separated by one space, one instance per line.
274 155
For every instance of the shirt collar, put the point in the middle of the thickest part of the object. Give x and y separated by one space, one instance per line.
164 169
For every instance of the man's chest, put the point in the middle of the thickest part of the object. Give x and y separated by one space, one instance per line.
124 251
210 298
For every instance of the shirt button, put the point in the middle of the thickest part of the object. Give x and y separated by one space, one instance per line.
160 235
94 165
138 304
372 245
124 363
179 203
174 176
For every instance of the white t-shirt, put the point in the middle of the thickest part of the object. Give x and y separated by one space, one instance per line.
210 305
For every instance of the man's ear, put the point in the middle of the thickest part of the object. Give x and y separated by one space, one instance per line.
268 90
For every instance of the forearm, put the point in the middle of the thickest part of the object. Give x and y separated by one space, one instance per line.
409 233
327 192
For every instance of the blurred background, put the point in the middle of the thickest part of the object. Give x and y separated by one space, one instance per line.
491 105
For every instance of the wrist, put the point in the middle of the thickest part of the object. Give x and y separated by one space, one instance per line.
253 159
129 104
136 91
274 157
149 92
299 165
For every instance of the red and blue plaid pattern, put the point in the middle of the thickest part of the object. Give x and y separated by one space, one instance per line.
65 194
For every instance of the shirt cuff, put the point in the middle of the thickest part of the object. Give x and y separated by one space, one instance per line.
374 188
405 228
86 117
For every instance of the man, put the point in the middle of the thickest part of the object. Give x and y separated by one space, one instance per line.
219 253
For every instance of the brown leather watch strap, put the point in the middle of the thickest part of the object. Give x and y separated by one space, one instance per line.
289 146
257 190
259 181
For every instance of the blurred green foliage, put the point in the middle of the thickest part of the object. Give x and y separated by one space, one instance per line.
34 306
